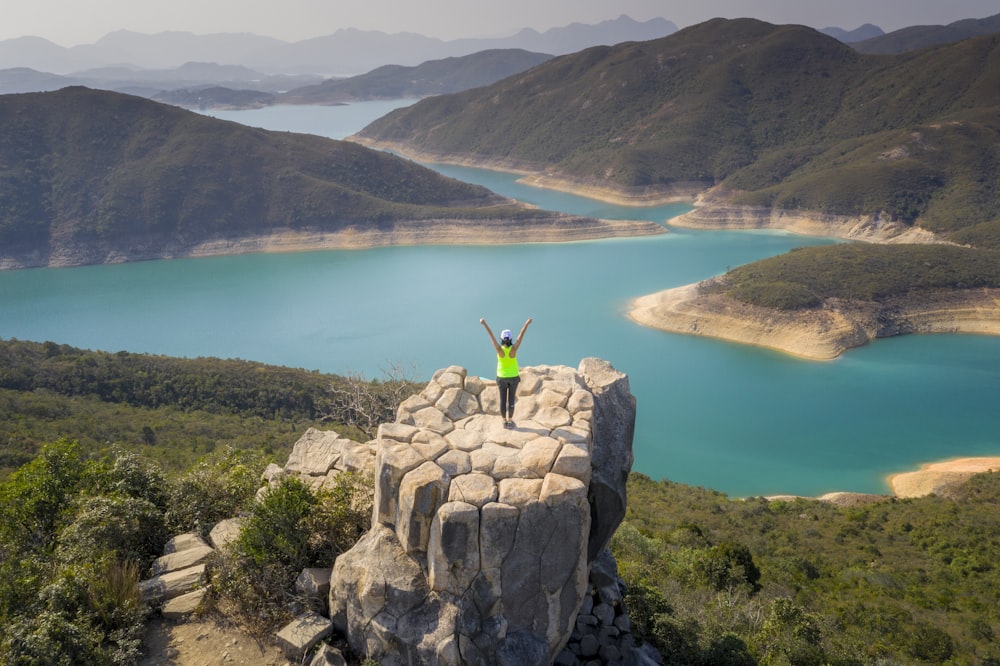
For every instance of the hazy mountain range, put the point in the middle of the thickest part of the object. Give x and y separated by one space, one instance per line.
346 52
245 70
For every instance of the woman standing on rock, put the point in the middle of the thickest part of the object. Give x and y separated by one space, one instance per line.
508 374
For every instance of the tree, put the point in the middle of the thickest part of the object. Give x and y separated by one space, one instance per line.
366 404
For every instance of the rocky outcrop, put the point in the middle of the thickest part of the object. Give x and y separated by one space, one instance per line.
483 537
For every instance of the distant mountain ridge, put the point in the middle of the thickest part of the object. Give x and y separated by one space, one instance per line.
344 53
434 77
921 36
866 31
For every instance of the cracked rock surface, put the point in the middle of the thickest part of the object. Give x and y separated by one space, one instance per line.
483 537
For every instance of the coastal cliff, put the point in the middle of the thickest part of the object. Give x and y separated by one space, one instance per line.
821 333
712 212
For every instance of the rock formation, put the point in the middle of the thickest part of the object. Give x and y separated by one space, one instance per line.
482 538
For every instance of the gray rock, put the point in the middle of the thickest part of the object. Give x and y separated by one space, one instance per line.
613 428
225 532
315 453
173 584
482 536
302 634
604 613
327 655
181 607
183 542
589 646
314 582
181 559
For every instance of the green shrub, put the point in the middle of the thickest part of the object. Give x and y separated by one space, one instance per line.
777 295
88 614
219 486
129 529
727 565
289 529
277 531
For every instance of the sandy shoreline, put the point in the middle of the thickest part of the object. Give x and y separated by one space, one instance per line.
932 478
536 175
403 233
938 476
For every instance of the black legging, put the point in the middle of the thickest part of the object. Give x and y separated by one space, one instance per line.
508 393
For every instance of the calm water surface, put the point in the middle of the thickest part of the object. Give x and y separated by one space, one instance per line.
742 420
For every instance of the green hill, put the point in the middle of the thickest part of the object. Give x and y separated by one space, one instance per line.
91 176
434 77
778 115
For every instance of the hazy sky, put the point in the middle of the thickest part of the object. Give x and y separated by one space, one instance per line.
72 22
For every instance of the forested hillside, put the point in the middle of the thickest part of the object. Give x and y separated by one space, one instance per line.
775 116
91 176
434 77
172 409
715 581
105 455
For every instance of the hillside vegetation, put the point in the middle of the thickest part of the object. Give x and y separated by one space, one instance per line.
712 580
434 77
90 176
773 115
807 277
175 410
715 581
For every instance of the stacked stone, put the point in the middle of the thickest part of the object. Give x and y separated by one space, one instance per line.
603 632
178 575
478 551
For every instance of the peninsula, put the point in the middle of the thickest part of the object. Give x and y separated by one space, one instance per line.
820 333
97 177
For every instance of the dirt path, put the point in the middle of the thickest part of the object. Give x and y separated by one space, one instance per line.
204 642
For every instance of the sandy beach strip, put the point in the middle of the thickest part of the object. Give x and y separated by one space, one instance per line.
932 478
938 476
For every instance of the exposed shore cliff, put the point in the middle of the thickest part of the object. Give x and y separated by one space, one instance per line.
820 333
537 175
558 228
717 215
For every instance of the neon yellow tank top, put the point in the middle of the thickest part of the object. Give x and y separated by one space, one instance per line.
506 366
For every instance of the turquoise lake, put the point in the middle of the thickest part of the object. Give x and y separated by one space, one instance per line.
739 419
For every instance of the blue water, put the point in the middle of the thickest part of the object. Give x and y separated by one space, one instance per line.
742 420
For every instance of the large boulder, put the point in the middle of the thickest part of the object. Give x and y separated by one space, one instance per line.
483 537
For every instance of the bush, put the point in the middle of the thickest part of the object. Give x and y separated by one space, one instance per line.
727 565
289 529
127 528
221 485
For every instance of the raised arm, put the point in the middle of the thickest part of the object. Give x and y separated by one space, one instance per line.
493 339
520 336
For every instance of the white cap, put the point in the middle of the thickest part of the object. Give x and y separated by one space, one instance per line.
505 333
